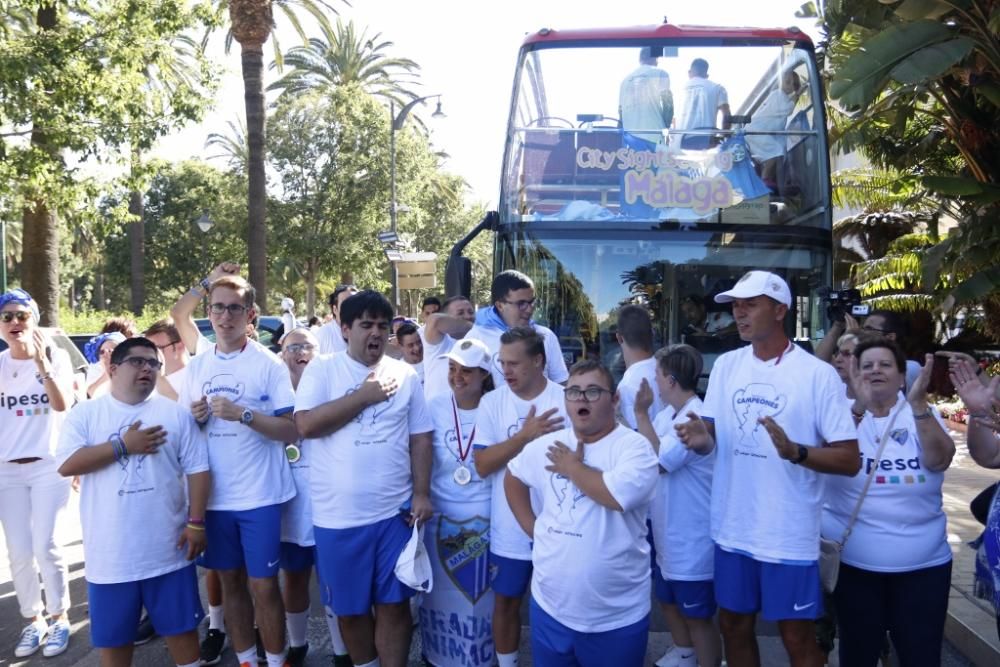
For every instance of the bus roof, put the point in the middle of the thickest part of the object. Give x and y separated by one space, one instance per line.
663 31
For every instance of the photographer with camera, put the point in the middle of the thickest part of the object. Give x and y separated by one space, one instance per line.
843 307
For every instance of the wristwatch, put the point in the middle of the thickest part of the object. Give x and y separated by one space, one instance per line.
247 417
803 455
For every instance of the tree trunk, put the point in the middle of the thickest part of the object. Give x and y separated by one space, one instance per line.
136 232
40 235
97 298
253 96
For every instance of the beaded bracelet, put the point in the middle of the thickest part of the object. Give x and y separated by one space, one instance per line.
118 445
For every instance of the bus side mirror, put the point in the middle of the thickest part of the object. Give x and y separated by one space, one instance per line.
458 276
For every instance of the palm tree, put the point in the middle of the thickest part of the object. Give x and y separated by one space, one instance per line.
232 146
251 23
342 56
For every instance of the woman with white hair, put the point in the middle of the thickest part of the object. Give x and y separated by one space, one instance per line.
37 380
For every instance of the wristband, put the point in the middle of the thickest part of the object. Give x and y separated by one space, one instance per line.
195 526
198 521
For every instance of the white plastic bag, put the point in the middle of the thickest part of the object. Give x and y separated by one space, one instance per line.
413 567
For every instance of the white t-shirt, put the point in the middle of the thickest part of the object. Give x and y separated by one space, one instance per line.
133 511
177 379
296 514
451 444
249 470
501 415
555 365
419 369
30 426
641 100
361 473
702 99
331 338
771 115
763 505
436 366
901 526
591 562
629 387
681 510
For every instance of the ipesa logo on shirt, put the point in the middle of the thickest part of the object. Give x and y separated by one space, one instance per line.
225 385
26 405
752 402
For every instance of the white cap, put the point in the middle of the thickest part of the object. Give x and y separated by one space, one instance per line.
470 353
413 567
287 304
758 283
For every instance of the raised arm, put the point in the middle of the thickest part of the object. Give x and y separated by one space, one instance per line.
182 312
440 324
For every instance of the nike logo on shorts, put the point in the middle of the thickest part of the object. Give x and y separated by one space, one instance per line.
276 562
797 607
691 606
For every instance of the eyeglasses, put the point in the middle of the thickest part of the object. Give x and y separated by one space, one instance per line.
590 394
170 344
138 362
234 309
296 348
9 316
845 353
523 304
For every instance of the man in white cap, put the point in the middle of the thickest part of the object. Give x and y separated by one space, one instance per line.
776 416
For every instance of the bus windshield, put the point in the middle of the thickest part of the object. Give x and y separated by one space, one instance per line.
676 131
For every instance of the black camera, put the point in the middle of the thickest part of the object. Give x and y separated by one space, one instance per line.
841 302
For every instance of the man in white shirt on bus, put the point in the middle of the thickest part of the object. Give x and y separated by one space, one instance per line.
635 335
330 335
777 416
242 396
590 593
365 419
144 486
704 100
513 302
645 103
525 407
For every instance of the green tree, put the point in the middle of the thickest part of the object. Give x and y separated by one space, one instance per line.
72 90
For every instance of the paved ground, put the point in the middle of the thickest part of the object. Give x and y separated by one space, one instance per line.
963 482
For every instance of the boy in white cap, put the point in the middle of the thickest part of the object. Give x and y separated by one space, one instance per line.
775 414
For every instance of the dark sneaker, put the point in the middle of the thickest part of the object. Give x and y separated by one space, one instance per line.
145 631
342 661
297 655
212 647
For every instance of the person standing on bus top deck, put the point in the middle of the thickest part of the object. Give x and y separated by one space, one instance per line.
703 101
772 115
513 297
525 407
440 333
330 335
590 593
371 447
645 103
635 335
777 416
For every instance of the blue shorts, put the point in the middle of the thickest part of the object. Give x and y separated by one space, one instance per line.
245 538
511 576
358 565
555 645
295 558
780 591
694 599
171 600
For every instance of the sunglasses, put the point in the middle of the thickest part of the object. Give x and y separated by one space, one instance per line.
9 316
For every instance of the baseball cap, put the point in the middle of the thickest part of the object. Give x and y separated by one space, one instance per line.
758 283
470 353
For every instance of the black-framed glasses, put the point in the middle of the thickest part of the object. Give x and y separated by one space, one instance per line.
9 316
590 394
170 344
296 348
522 304
235 309
138 362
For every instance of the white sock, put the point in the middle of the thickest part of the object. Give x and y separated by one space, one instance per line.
276 659
248 656
507 659
43 625
373 663
339 647
687 657
298 625
215 618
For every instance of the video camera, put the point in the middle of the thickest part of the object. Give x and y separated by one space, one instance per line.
841 302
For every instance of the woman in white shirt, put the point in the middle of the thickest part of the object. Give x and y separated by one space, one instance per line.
36 382
896 567
457 536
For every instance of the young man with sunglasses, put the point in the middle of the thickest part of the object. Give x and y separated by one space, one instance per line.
590 593
513 297
241 396
144 486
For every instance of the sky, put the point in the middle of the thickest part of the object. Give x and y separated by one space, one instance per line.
467 52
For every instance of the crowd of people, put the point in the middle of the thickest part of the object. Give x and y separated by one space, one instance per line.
435 474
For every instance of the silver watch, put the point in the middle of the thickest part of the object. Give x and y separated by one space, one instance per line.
247 417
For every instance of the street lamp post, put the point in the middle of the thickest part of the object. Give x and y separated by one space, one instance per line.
3 255
205 224
397 124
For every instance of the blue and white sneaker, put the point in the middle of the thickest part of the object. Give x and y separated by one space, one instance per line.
30 640
58 640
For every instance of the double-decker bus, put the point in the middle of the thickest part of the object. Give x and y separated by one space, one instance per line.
602 212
